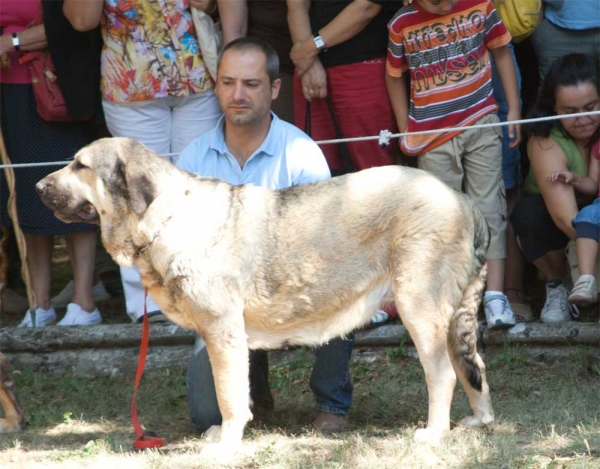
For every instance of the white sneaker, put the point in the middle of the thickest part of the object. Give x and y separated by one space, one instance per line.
76 316
556 307
41 318
585 291
65 296
498 312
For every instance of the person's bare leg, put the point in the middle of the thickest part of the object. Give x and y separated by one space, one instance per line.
39 260
495 276
83 249
553 264
587 254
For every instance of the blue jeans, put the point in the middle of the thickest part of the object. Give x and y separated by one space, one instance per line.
330 381
587 221
511 157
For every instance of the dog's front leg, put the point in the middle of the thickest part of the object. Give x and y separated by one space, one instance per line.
227 347
14 418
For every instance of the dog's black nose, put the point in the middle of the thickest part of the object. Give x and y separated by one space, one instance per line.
41 187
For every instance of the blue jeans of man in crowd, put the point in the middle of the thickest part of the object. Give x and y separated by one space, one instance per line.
330 382
511 157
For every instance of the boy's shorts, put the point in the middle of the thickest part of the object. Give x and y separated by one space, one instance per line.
473 161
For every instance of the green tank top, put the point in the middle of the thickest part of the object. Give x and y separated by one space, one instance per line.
575 160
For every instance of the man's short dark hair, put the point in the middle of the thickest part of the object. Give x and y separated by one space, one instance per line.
249 43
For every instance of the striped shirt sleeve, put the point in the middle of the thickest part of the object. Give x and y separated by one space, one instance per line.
496 34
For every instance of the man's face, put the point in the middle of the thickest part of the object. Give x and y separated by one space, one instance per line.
438 7
243 87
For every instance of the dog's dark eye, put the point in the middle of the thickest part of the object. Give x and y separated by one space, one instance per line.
77 165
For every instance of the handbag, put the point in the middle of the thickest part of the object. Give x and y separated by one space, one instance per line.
210 39
520 17
50 102
347 166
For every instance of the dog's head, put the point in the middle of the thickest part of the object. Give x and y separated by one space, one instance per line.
109 179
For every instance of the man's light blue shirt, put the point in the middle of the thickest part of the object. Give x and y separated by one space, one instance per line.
287 157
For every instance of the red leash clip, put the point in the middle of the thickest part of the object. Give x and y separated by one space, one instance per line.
148 439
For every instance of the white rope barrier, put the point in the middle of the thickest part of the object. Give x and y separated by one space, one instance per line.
383 137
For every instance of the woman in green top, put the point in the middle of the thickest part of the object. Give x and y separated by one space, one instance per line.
542 218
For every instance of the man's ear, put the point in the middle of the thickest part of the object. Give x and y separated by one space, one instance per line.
139 179
275 87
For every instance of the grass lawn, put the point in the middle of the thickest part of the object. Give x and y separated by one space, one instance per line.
547 417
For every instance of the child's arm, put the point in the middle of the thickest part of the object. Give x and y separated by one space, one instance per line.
508 77
584 185
396 87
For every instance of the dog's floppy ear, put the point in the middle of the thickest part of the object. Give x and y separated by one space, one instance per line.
137 170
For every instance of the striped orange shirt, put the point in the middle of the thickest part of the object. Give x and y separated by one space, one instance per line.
450 69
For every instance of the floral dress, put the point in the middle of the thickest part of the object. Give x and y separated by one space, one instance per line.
150 51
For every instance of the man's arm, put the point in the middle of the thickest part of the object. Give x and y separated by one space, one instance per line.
314 78
234 19
308 162
508 77
396 87
347 24
299 24
83 15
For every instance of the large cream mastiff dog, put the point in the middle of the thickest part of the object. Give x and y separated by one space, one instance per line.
249 267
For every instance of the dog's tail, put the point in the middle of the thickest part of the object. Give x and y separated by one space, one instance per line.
462 339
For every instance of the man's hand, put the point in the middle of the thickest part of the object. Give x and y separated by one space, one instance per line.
514 130
314 81
568 177
303 55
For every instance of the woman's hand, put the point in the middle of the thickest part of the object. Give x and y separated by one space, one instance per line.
207 6
314 81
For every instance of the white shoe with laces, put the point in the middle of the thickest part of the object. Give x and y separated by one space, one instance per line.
40 318
65 296
498 312
556 309
76 316
585 290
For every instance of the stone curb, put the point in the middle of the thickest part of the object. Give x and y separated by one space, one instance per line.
112 349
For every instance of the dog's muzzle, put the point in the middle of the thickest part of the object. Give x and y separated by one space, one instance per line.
63 204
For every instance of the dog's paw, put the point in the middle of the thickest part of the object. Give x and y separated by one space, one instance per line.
7 426
217 453
431 436
473 421
213 434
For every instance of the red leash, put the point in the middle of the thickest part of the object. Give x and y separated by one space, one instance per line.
148 439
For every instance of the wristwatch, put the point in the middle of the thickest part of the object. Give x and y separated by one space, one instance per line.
319 43
15 41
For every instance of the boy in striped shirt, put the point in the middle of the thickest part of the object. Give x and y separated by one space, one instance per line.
445 44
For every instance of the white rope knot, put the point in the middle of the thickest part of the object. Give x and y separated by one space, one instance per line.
384 137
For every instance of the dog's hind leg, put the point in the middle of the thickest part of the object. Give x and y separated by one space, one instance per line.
14 418
420 313
227 347
462 341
